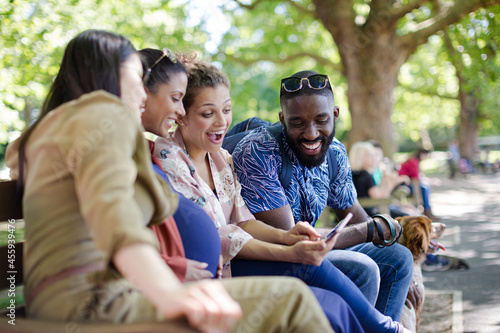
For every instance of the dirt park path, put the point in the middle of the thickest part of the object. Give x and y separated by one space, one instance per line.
470 207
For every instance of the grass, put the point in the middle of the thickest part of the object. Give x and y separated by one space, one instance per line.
18 232
19 237
5 299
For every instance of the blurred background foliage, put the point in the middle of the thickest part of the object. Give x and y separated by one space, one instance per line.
251 45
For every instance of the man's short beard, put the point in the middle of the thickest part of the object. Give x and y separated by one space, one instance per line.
310 161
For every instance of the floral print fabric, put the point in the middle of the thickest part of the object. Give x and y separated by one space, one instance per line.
226 206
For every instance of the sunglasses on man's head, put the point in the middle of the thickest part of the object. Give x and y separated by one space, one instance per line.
166 53
315 81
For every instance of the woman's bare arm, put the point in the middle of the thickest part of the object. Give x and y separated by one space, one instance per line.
206 305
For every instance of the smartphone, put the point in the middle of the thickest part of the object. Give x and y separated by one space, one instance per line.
339 227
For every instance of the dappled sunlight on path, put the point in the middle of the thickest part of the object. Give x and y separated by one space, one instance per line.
471 210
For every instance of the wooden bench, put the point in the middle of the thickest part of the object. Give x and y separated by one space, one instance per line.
382 204
11 274
401 196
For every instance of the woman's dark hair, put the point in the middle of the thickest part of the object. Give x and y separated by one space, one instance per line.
202 75
91 62
162 71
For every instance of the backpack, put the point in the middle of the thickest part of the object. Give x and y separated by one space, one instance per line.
242 129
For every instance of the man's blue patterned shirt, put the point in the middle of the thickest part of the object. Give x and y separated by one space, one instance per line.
257 161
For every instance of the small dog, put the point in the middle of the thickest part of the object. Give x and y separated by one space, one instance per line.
418 236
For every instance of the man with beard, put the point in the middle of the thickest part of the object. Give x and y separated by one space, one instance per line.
308 117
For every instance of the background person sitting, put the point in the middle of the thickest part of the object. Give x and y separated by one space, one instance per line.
364 161
411 168
381 163
453 157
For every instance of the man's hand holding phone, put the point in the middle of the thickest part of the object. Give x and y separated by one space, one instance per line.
313 251
338 228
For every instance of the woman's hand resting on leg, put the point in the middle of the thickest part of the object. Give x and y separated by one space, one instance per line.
206 304
196 270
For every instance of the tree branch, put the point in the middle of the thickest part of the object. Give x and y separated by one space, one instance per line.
250 6
381 16
388 12
427 92
294 4
301 9
446 17
338 18
398 11
454 57
291 57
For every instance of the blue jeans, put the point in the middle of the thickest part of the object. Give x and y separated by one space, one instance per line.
325 276
426 193
338 312
382 275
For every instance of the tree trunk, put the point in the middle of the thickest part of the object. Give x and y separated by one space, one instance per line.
371 57
372 54
373 46
27 113
372 77
468 130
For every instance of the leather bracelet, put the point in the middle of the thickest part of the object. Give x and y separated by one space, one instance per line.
391 227
380 233
369 234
